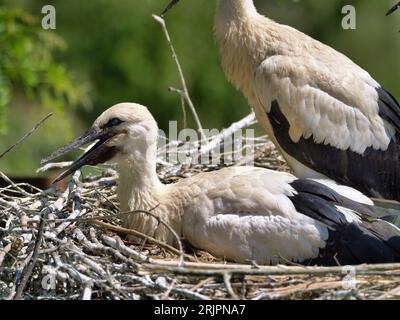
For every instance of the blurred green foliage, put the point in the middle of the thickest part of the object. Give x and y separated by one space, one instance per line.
27 64
117 50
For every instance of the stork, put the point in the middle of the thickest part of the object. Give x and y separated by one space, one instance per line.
327 116
238 213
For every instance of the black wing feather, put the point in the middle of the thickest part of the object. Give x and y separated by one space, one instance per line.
389 108
376 173
368 241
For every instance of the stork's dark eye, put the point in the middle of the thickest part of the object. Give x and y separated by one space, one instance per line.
114 122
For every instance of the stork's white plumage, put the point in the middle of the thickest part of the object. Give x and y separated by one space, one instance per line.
240 213
328 116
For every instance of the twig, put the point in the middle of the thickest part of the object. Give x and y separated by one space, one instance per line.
227 281
29 268
220 269
167 293
142 236
169 228
236 126
26 135
15 186
87 291
395 293
185 92
54 165
119 245
3 253
159 285
61 202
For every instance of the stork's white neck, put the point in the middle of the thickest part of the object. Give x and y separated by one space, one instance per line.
138 178
228 10
140 189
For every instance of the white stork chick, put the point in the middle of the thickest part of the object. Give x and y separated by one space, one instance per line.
239 213
329 117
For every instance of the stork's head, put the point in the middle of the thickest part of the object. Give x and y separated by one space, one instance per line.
124 131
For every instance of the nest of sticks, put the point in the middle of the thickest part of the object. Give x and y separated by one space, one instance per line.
69 245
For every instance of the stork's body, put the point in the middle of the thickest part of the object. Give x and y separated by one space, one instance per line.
247 214
239 213
328 116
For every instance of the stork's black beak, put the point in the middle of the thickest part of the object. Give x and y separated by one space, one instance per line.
171 4
99 153
397 6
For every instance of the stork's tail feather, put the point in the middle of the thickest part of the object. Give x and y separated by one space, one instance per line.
388 211
356 235
376 242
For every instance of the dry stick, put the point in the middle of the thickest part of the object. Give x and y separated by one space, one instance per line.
3 253
15 186
221 269
29 268
87 291
182 96
142 236
214 141
94 218
170 229
167 293
117 244
26 135
236 126
146 281
395 293
184 112
300 289
185 92
99 248
227 281
54 165
202 283
73 187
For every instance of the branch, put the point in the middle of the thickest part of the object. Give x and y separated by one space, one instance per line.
54 165
26 135
236 126
31 265
138 234
185 92
221 269
132 232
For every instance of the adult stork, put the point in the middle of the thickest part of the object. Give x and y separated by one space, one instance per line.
328 117
239 213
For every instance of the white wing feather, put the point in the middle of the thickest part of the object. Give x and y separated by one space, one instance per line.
337 108
247 215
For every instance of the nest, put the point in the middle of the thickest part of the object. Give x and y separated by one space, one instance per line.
69 245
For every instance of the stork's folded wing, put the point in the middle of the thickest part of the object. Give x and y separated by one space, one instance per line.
332 100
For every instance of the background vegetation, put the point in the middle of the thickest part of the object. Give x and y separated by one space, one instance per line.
104 52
